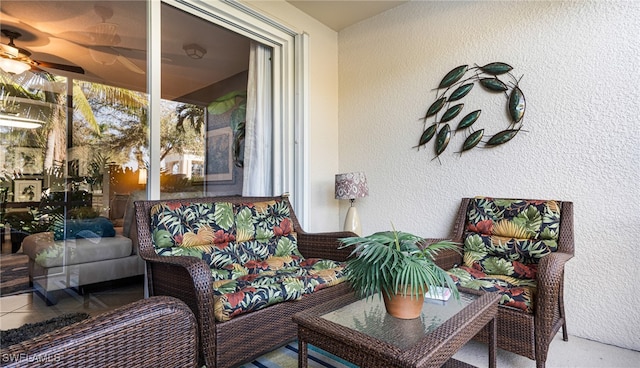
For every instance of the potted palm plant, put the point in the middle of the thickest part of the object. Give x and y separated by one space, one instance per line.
399 267
23 224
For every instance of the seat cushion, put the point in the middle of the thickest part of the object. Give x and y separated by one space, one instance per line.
255 291
232 260
48 253
196 226
128 223
516 293
233 240
251 248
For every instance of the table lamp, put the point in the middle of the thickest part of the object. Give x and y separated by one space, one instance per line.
351 186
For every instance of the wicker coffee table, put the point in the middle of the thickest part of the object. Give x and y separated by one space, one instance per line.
364 334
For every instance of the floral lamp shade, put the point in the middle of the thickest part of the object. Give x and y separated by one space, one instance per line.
351 185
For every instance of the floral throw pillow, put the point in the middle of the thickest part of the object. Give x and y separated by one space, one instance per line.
196 228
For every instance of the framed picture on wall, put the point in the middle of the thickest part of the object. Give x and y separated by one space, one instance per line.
27 190
28 160
219 158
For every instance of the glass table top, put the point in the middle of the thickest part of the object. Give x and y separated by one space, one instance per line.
369 317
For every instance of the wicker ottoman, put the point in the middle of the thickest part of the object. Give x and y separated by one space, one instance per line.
14 273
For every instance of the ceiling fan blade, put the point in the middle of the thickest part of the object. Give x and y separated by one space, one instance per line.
24 55
129 64
65 67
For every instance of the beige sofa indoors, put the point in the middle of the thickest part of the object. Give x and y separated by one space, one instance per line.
72 263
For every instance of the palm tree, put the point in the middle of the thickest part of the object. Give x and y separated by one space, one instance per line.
110 116
192 113
45 87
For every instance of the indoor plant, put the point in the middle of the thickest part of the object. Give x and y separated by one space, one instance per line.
396 265
23 224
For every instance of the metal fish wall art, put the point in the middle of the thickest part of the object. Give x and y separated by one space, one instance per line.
496 78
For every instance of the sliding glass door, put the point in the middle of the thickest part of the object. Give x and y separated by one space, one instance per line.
204 76
266 155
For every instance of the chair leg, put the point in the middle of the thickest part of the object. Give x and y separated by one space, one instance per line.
565 334
541 354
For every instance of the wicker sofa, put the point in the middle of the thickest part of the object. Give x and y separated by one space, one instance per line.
154 332
191 272
517 247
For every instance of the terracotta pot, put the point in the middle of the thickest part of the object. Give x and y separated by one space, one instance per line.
403 306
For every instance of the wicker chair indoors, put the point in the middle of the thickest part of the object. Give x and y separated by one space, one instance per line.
532 307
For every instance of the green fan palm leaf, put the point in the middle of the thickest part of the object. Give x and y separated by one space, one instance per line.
393 262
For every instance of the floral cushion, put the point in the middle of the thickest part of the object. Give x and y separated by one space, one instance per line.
508 237
504 240
516 293
251 249
255 291
195 227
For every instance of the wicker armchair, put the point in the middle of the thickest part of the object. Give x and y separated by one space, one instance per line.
154 332
249 335
528 334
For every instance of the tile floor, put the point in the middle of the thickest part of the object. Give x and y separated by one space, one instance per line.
18 309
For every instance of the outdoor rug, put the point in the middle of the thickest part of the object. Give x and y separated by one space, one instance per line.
31 330
287 357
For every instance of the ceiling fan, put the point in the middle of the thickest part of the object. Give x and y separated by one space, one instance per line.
103 39
12 52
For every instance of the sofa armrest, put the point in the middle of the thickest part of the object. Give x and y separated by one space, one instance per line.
324 245
33 244
188 279
134 335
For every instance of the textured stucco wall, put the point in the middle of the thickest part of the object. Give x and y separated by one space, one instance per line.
579 62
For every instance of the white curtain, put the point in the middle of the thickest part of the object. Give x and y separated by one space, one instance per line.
258 149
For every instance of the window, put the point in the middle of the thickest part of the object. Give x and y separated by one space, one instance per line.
74 148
